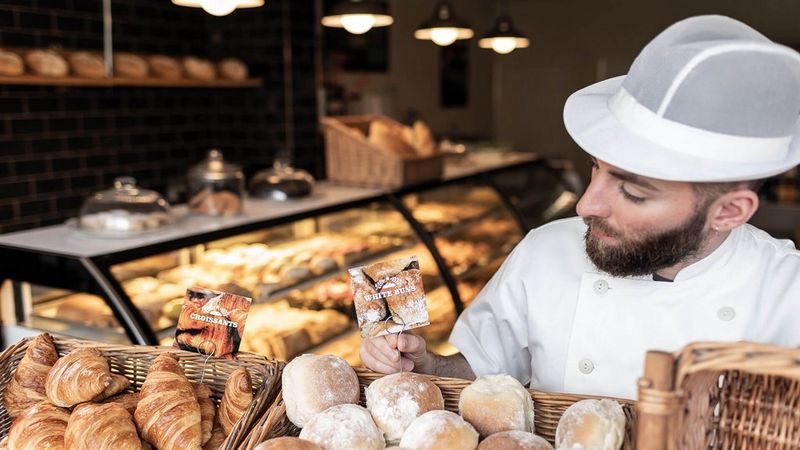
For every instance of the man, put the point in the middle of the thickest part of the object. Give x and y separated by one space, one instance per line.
662 254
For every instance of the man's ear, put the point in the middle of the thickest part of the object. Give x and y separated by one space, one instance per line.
732 209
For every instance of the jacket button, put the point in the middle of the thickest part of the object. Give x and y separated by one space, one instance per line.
586 366
726 313
600 287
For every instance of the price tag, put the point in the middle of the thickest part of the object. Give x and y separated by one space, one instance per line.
389 297
212 322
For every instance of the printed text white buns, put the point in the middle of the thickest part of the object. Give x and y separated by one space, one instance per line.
396 400
344 427
495 403
312 384
595 424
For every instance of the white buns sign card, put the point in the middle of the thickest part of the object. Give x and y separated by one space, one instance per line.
389 297
212 322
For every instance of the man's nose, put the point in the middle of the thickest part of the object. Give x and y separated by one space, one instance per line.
594 201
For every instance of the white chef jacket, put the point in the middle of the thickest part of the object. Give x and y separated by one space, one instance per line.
548 317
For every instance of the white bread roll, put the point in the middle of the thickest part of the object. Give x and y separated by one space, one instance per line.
287 443
312 384
129 65
11 64
515 440
344 427
591 424
232 69
495 403
396 400
436 430
87 64
165 67
199 69
47 63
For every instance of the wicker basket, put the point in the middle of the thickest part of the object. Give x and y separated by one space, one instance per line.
548 409
133 362
720 396
352 160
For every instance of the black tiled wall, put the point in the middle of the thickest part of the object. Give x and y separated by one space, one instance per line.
60 144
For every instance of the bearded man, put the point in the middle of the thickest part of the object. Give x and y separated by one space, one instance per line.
661 254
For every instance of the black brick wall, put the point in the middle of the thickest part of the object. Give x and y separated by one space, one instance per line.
60 144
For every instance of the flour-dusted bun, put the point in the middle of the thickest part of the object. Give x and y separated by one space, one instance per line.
165 67
515 440
287 443
47 63
232 69
344 427
436 430
312 384
396 400
199 69
591 424
495 403
129 65
87 64
11 64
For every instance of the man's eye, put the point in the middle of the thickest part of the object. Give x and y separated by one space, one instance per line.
629 196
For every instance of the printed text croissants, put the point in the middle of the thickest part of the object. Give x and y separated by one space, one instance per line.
76 402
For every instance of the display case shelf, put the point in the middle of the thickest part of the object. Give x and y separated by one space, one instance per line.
120 81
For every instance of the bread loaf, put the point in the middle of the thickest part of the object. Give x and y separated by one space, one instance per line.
436 430
11 64
287 443
47 63
312 384
396 400
591 424
199 69
165 67
128 65
233 69
87 64
515 440
344 427
495 403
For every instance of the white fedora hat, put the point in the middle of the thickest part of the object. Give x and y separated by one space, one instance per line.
709 99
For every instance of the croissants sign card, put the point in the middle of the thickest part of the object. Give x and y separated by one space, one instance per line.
389 297
212 322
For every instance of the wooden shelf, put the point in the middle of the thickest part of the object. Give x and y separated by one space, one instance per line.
111 82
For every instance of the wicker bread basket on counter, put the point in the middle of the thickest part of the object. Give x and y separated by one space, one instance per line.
134 361
548 408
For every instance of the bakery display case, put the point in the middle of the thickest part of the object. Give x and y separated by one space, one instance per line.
291 258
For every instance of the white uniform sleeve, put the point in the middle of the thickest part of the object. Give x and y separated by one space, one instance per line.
492 333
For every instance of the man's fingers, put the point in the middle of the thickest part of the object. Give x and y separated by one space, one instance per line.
377 362
411 344
386 347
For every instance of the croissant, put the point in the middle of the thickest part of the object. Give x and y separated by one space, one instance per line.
237 397
207 411
26 388
95 426
40 426
118 384
78 377
4 443
168 415
217 438
127 401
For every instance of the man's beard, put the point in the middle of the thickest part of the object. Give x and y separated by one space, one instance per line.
645 256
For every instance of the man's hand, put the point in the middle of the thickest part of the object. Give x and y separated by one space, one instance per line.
392 353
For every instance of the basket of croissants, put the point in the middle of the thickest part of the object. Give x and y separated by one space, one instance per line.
376 151
69 394
324 404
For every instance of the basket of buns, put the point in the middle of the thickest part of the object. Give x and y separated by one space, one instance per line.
721 396
376 151
66 393
326 404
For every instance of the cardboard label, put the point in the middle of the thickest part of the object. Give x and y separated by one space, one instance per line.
212 322
389 297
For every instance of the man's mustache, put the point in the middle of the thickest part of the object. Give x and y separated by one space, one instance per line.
598 224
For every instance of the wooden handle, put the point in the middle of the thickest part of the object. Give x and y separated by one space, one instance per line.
654 418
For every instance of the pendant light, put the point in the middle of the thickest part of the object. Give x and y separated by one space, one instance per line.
358 16
443 28
219 7
503 37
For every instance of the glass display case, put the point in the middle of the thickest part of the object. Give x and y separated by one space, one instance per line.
291 258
